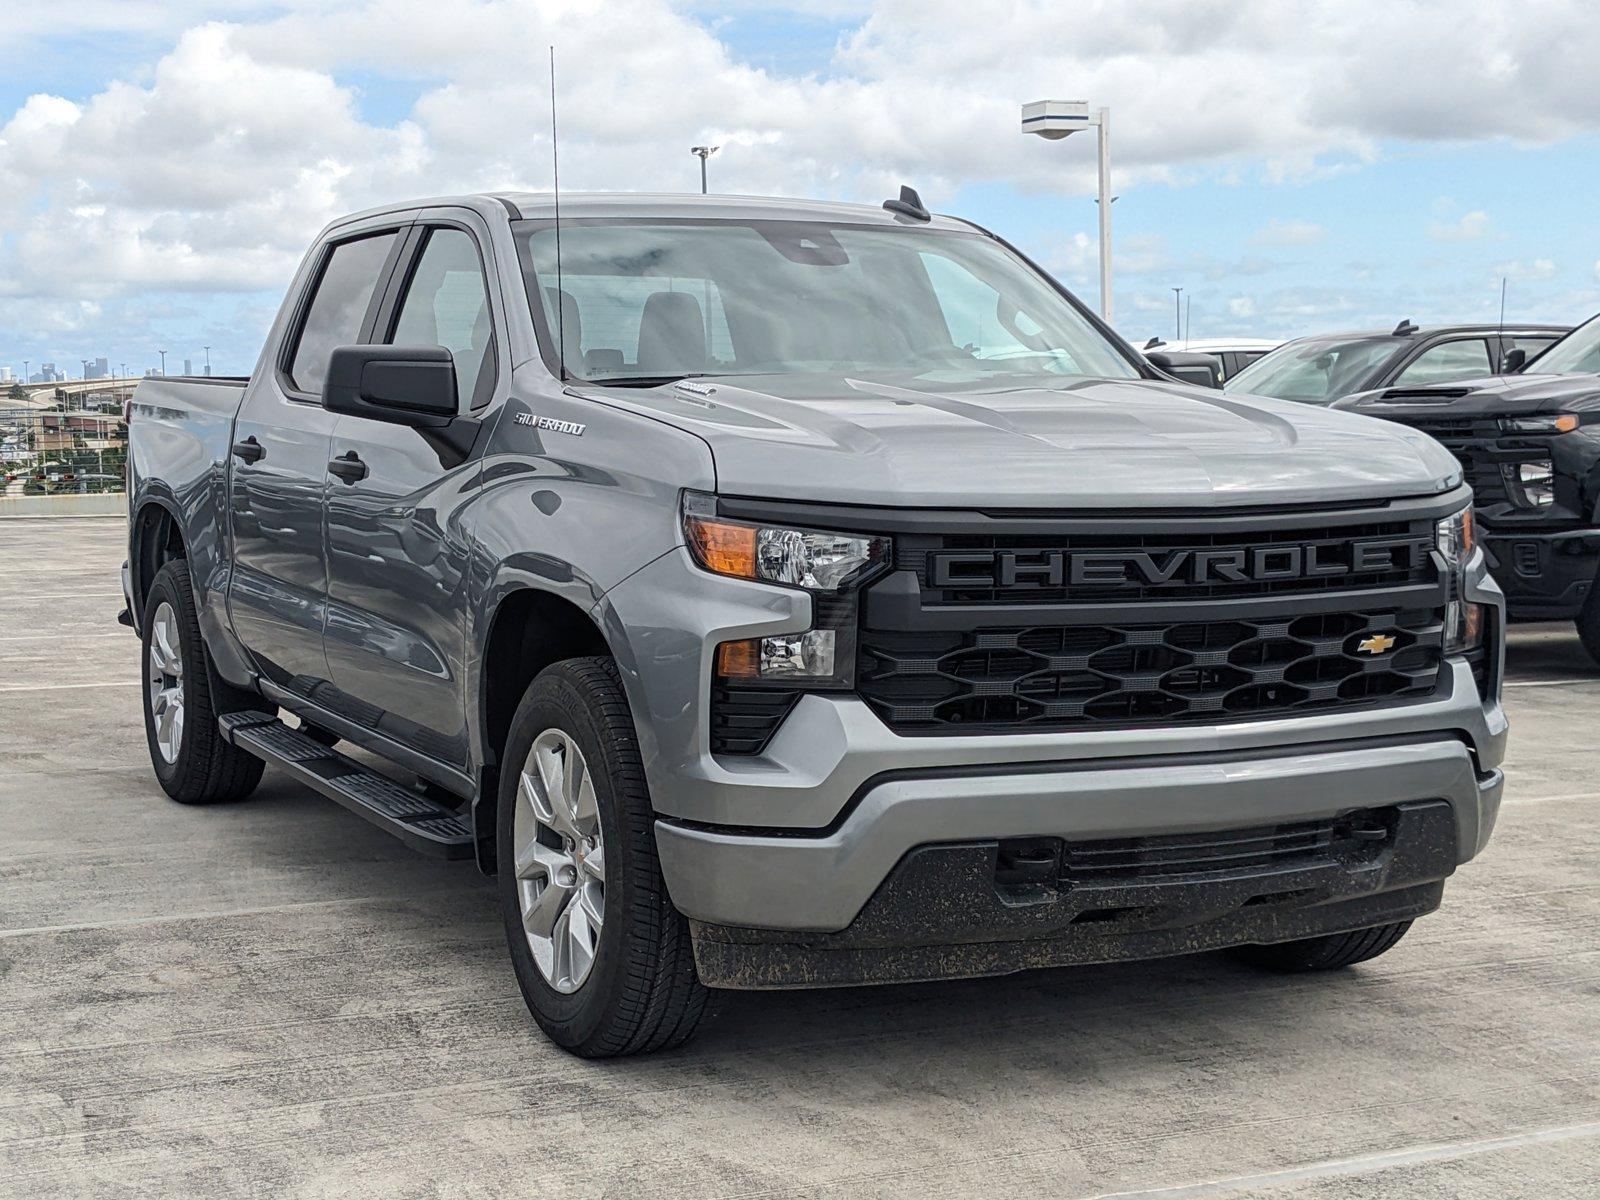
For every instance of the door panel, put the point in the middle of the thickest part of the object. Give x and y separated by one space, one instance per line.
396 589
397 557
279 474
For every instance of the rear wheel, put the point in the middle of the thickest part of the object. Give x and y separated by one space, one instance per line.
1327 953
192 761
603 959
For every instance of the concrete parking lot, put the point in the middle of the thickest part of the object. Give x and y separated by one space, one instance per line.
273 998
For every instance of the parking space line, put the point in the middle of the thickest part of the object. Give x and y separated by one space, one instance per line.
1551 799
1363 1164
1511 683
62 595
220 914
67 687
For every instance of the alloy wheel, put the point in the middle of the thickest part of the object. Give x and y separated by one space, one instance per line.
164 677
560 860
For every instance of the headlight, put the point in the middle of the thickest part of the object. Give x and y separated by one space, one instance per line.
1555 423
805 558
1530 484
1463 621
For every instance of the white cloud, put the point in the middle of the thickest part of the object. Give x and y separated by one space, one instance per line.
1241 307
1473 226
1290 233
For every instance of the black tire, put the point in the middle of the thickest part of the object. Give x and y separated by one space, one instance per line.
206 769
642 993
1328 953
1588 623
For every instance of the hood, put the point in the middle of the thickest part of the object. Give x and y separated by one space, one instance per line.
1492 395
1087 443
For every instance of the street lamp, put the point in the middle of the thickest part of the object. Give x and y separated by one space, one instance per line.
163 354
703 153
208 362
26 363
1177 314
1056 119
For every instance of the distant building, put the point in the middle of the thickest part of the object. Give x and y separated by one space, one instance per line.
97 368
5 374
188 367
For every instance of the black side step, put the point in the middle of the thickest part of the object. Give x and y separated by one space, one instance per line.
419 822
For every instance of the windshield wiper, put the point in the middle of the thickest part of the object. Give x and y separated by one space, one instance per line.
650 381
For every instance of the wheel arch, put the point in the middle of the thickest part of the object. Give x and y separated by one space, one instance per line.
156 537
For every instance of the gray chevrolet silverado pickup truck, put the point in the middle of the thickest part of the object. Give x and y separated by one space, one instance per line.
778 594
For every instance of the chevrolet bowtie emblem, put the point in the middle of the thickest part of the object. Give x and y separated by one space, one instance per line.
1378 643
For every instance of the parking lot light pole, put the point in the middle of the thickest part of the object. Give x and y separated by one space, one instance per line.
163 354
703 153
1056 119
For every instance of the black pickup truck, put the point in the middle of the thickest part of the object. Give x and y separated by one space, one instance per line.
1529 444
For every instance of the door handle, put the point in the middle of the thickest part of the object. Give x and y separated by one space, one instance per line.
348 467
249 450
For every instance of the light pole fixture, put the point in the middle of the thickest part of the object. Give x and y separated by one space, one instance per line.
1056 119
208 362
1177 314
163 354
703 153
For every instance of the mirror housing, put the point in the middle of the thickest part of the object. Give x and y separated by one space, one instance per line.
402 385
1516 358
1202 370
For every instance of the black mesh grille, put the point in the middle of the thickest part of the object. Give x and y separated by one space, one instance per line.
1030 552
1469 439
1059 677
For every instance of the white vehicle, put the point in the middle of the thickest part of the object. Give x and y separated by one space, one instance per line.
1235 354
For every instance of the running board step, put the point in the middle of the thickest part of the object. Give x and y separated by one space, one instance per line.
423 824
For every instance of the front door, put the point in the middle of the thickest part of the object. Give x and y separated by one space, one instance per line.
279 475
397 556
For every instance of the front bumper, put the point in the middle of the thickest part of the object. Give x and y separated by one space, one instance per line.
956 910
1545 576
800 839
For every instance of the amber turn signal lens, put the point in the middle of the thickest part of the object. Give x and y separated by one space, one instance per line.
739 660
1474 624
722 546
1469 532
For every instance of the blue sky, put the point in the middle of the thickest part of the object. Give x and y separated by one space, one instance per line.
1289 187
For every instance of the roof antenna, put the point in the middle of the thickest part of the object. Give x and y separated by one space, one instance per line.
1501 332
555 180
909 205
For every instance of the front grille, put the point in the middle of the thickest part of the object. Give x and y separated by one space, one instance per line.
1229 852
1332 544
1468 438
1046 677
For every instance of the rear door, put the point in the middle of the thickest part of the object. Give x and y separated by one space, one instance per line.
278 592
397 554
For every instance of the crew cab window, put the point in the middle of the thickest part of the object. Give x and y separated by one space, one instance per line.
338 308
447 304
1530 344
1447 362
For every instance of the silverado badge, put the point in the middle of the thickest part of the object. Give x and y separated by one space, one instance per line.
1378 643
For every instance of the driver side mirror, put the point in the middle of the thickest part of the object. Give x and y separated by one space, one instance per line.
1516 358
402 385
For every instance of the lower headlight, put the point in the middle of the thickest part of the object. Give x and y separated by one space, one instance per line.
1530 484
1456 537
809 655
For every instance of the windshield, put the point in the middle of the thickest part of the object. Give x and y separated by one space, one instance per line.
1314 371
645 302
1576 354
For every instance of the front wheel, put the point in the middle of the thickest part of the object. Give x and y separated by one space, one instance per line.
603 959
192 761
1588 623
1327 953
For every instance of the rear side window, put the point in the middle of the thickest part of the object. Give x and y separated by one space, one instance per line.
447 304
339 307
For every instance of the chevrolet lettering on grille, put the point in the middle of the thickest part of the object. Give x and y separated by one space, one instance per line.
1143 568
